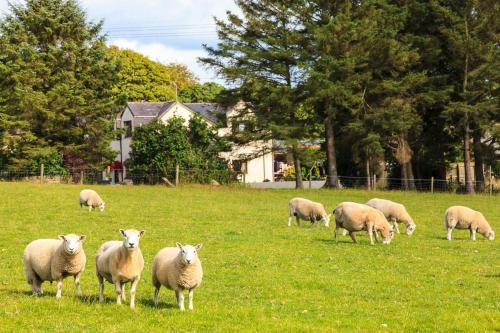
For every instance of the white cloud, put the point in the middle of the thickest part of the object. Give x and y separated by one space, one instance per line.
164 54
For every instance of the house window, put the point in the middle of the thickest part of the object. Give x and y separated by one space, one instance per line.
240 166
128 128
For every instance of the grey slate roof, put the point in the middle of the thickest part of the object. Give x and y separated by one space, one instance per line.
145 112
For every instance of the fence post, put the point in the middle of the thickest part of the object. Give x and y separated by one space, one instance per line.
374 182
42 167
432 184
491 182
176 174
81 177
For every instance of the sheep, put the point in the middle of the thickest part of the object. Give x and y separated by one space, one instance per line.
356 217
178 269
120 262
307 210
461 217
53 260
394 212
92 199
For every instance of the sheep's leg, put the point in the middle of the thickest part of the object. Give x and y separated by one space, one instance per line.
353 236
90 208
118 288
449 233
313 220
473 234
59 287
180 299
375 233
344 232
77 284
335 232
132 292
190 297
155 296
297 219
289 220
101 288
36 286
370 235
124 298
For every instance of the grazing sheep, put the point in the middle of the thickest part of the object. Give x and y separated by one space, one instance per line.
92 199
53 260
356 217
120 262
394 212
307 210
461 217
178 269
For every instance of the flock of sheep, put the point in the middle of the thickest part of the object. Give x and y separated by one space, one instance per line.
179 268
118 262
373 218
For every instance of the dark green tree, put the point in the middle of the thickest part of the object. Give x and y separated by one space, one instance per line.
56 83
259 54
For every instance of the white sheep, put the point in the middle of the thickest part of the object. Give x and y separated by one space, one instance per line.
307 210
355 217
92 199
120 262
178 269
461 217
395 213
53 260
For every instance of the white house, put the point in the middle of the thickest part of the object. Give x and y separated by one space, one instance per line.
255 160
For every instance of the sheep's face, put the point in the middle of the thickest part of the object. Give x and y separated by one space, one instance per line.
72 243
387 236
410 229
491 235
188 253
101 206
131 238
326 220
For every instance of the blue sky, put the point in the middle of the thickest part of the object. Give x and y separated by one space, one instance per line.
164 30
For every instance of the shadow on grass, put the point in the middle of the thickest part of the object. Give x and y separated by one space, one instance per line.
29 293
332 241
161 305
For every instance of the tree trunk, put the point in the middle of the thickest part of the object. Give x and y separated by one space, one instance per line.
469 188
404 177
298 171
368 182
409 174
478 157
331 168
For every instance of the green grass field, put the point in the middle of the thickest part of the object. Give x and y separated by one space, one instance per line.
260 275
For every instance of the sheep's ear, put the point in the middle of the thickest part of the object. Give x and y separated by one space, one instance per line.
61 237
141 233
82 238
179 245
198 246
123 233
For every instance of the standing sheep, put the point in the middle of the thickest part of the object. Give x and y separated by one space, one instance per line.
92 199
356 217
307 210
120 262
394 212
461 217
53 260
178 269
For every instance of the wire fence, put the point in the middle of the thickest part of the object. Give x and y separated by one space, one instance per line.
197 175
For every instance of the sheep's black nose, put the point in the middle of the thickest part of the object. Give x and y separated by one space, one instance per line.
131 244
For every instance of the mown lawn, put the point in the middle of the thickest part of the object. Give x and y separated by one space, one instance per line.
260 275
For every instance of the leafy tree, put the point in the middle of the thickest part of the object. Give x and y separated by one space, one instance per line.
56 83
200 93
259 54
142 79
470 32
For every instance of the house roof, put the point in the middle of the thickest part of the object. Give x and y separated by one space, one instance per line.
208 111
145 112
